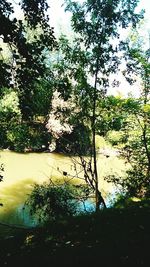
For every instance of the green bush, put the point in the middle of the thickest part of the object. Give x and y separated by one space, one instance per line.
3 136
18 137
78 142
39 137
24 137
125 202
10 115
49 202
9 104
115 137
100 142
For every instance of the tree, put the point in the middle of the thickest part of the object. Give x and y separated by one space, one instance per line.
1 176
136 126
27 62
134 149
68 118
53 201
140 60
25 45
98 24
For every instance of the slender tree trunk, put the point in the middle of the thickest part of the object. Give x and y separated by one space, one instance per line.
98 197
94 152
145 137
146 148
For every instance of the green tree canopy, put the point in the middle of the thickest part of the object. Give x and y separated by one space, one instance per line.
98 25
27 62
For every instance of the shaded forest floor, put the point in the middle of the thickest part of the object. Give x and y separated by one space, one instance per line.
114 237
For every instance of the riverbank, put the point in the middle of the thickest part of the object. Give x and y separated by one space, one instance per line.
114 237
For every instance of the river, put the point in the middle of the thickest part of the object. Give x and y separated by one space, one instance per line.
22 170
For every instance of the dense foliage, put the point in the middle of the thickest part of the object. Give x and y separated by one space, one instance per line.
134 144
55 201
135 130
54 93
25 80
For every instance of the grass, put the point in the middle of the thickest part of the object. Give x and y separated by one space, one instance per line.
114 237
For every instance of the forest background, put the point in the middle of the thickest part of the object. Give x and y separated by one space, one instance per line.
54 89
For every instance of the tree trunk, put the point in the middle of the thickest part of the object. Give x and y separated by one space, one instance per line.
98 197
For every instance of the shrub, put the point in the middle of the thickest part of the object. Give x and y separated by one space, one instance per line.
100 142
77 142
49 202
18 137
24 137
123 201
115 137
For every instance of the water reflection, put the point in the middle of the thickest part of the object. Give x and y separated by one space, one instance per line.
25 216
23 170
